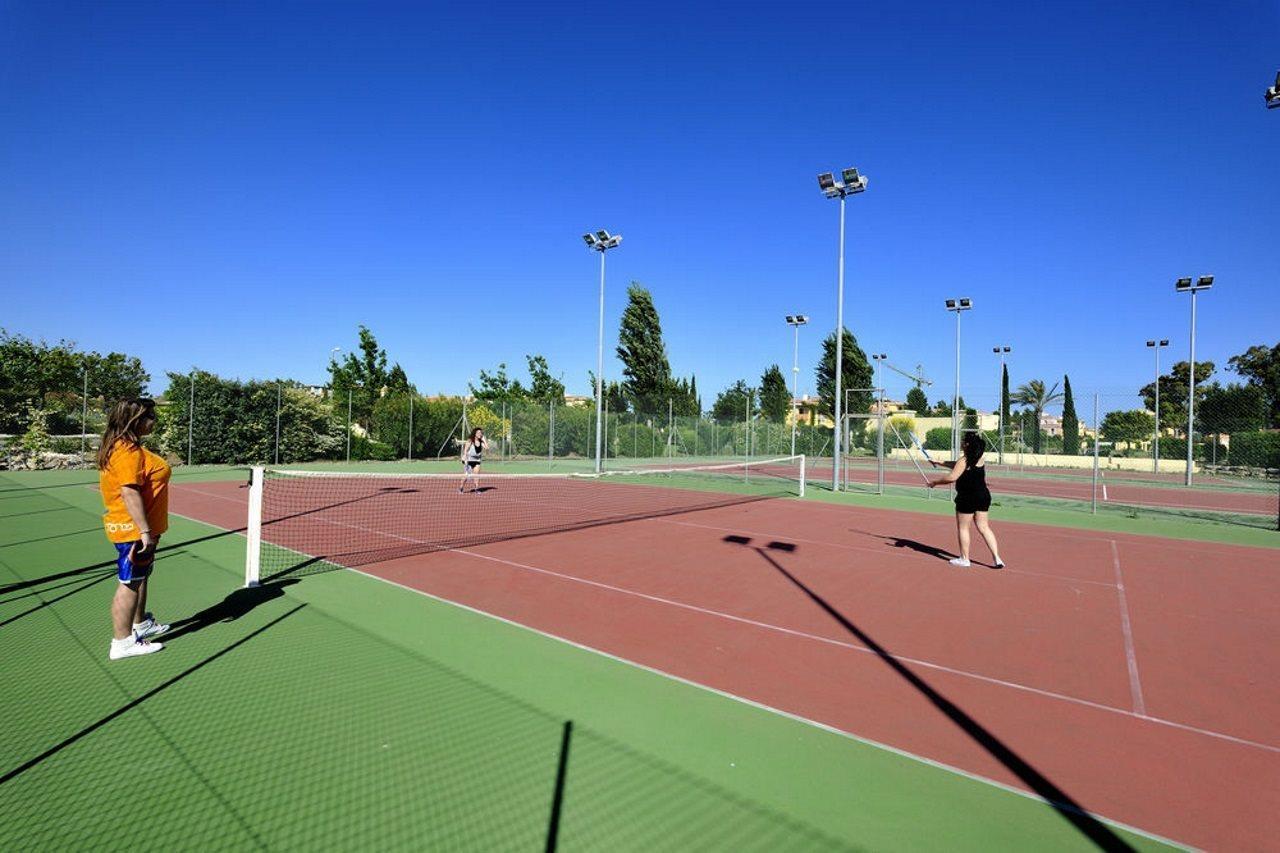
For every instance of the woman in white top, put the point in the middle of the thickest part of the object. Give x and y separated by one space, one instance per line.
472 455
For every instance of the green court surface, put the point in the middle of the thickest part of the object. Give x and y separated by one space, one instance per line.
338 711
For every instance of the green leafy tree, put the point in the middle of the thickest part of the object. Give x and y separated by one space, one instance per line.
1233 409
1038 397
732 403
645 367
1174 386
543 387
497 387
942 409
1070 423
365 376
1129 427
775 399
857 374
917 401
1260 365
615 398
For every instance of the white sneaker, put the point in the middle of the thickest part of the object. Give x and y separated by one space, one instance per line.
131 647
149 627
961 562
999 564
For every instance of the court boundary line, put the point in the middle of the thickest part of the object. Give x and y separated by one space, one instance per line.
1135 683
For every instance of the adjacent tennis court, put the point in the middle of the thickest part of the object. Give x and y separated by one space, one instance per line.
697 657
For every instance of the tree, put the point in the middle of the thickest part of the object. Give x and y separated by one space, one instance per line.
645 368
857 374
1260 365
543 387
775 399
497 387
1035 395
942 409
733 402
1173 393
1130 427
1233 409
365 377
615 400
1070 423
917 401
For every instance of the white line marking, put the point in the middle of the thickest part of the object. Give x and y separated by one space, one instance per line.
1135 684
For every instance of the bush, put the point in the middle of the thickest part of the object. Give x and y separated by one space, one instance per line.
1255 449
938 438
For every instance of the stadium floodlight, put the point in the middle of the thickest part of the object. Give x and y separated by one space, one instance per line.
831 188
601 242
958 305
1155 444
795 321
1184 285
1273 94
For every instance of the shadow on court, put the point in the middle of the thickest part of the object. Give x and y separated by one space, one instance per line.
1071 811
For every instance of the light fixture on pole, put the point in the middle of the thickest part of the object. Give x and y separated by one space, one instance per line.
957 305
851 184
1001 351
601 241
1184 285
1273 94
795 321
1155 444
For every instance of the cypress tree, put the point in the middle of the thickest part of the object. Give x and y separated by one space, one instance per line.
1004 404
645 368
1070 423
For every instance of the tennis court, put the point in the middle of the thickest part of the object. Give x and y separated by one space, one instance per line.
659 659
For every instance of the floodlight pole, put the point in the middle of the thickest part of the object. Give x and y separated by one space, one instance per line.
795 386
835 459
84 411
1155 444
1203 283
601 242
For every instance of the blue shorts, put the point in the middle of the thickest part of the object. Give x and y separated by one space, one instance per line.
126 570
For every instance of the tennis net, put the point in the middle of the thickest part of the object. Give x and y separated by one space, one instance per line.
303 522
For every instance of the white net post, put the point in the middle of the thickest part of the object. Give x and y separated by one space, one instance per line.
253 531
802 476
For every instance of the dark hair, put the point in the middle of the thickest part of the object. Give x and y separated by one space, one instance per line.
973 446
474 430
122 425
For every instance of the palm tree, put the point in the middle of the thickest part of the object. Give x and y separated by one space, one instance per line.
1035 395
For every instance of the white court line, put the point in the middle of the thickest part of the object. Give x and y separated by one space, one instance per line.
1135 684
803 635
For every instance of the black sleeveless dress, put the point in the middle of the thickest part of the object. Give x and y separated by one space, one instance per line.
972 494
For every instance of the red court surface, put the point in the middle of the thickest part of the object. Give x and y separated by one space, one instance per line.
1135 674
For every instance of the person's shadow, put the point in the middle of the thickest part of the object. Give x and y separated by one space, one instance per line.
231 608
920 547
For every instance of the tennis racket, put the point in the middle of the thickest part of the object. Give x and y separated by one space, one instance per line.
916 440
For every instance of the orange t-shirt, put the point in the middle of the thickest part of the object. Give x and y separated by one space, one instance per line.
132 465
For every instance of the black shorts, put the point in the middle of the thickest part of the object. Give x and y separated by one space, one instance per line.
469 466
973 502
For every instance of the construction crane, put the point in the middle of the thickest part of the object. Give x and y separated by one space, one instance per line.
918 377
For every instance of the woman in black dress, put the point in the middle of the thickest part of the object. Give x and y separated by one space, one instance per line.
973 499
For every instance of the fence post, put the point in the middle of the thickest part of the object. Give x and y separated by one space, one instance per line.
411 395
1097 436
348 424
191 417
551 432
279 393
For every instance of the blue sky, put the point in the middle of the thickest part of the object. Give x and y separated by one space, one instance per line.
238 185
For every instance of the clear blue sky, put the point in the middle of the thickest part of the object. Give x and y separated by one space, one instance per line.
238 185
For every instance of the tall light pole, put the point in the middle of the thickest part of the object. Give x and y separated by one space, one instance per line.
852 184
601 241
1184 285
1002 351
957 305
1273 94
878 358
1155 444
795 321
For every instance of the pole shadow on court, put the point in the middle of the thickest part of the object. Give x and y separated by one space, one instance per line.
1058 799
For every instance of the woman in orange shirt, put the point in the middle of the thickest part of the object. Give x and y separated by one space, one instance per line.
135 490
